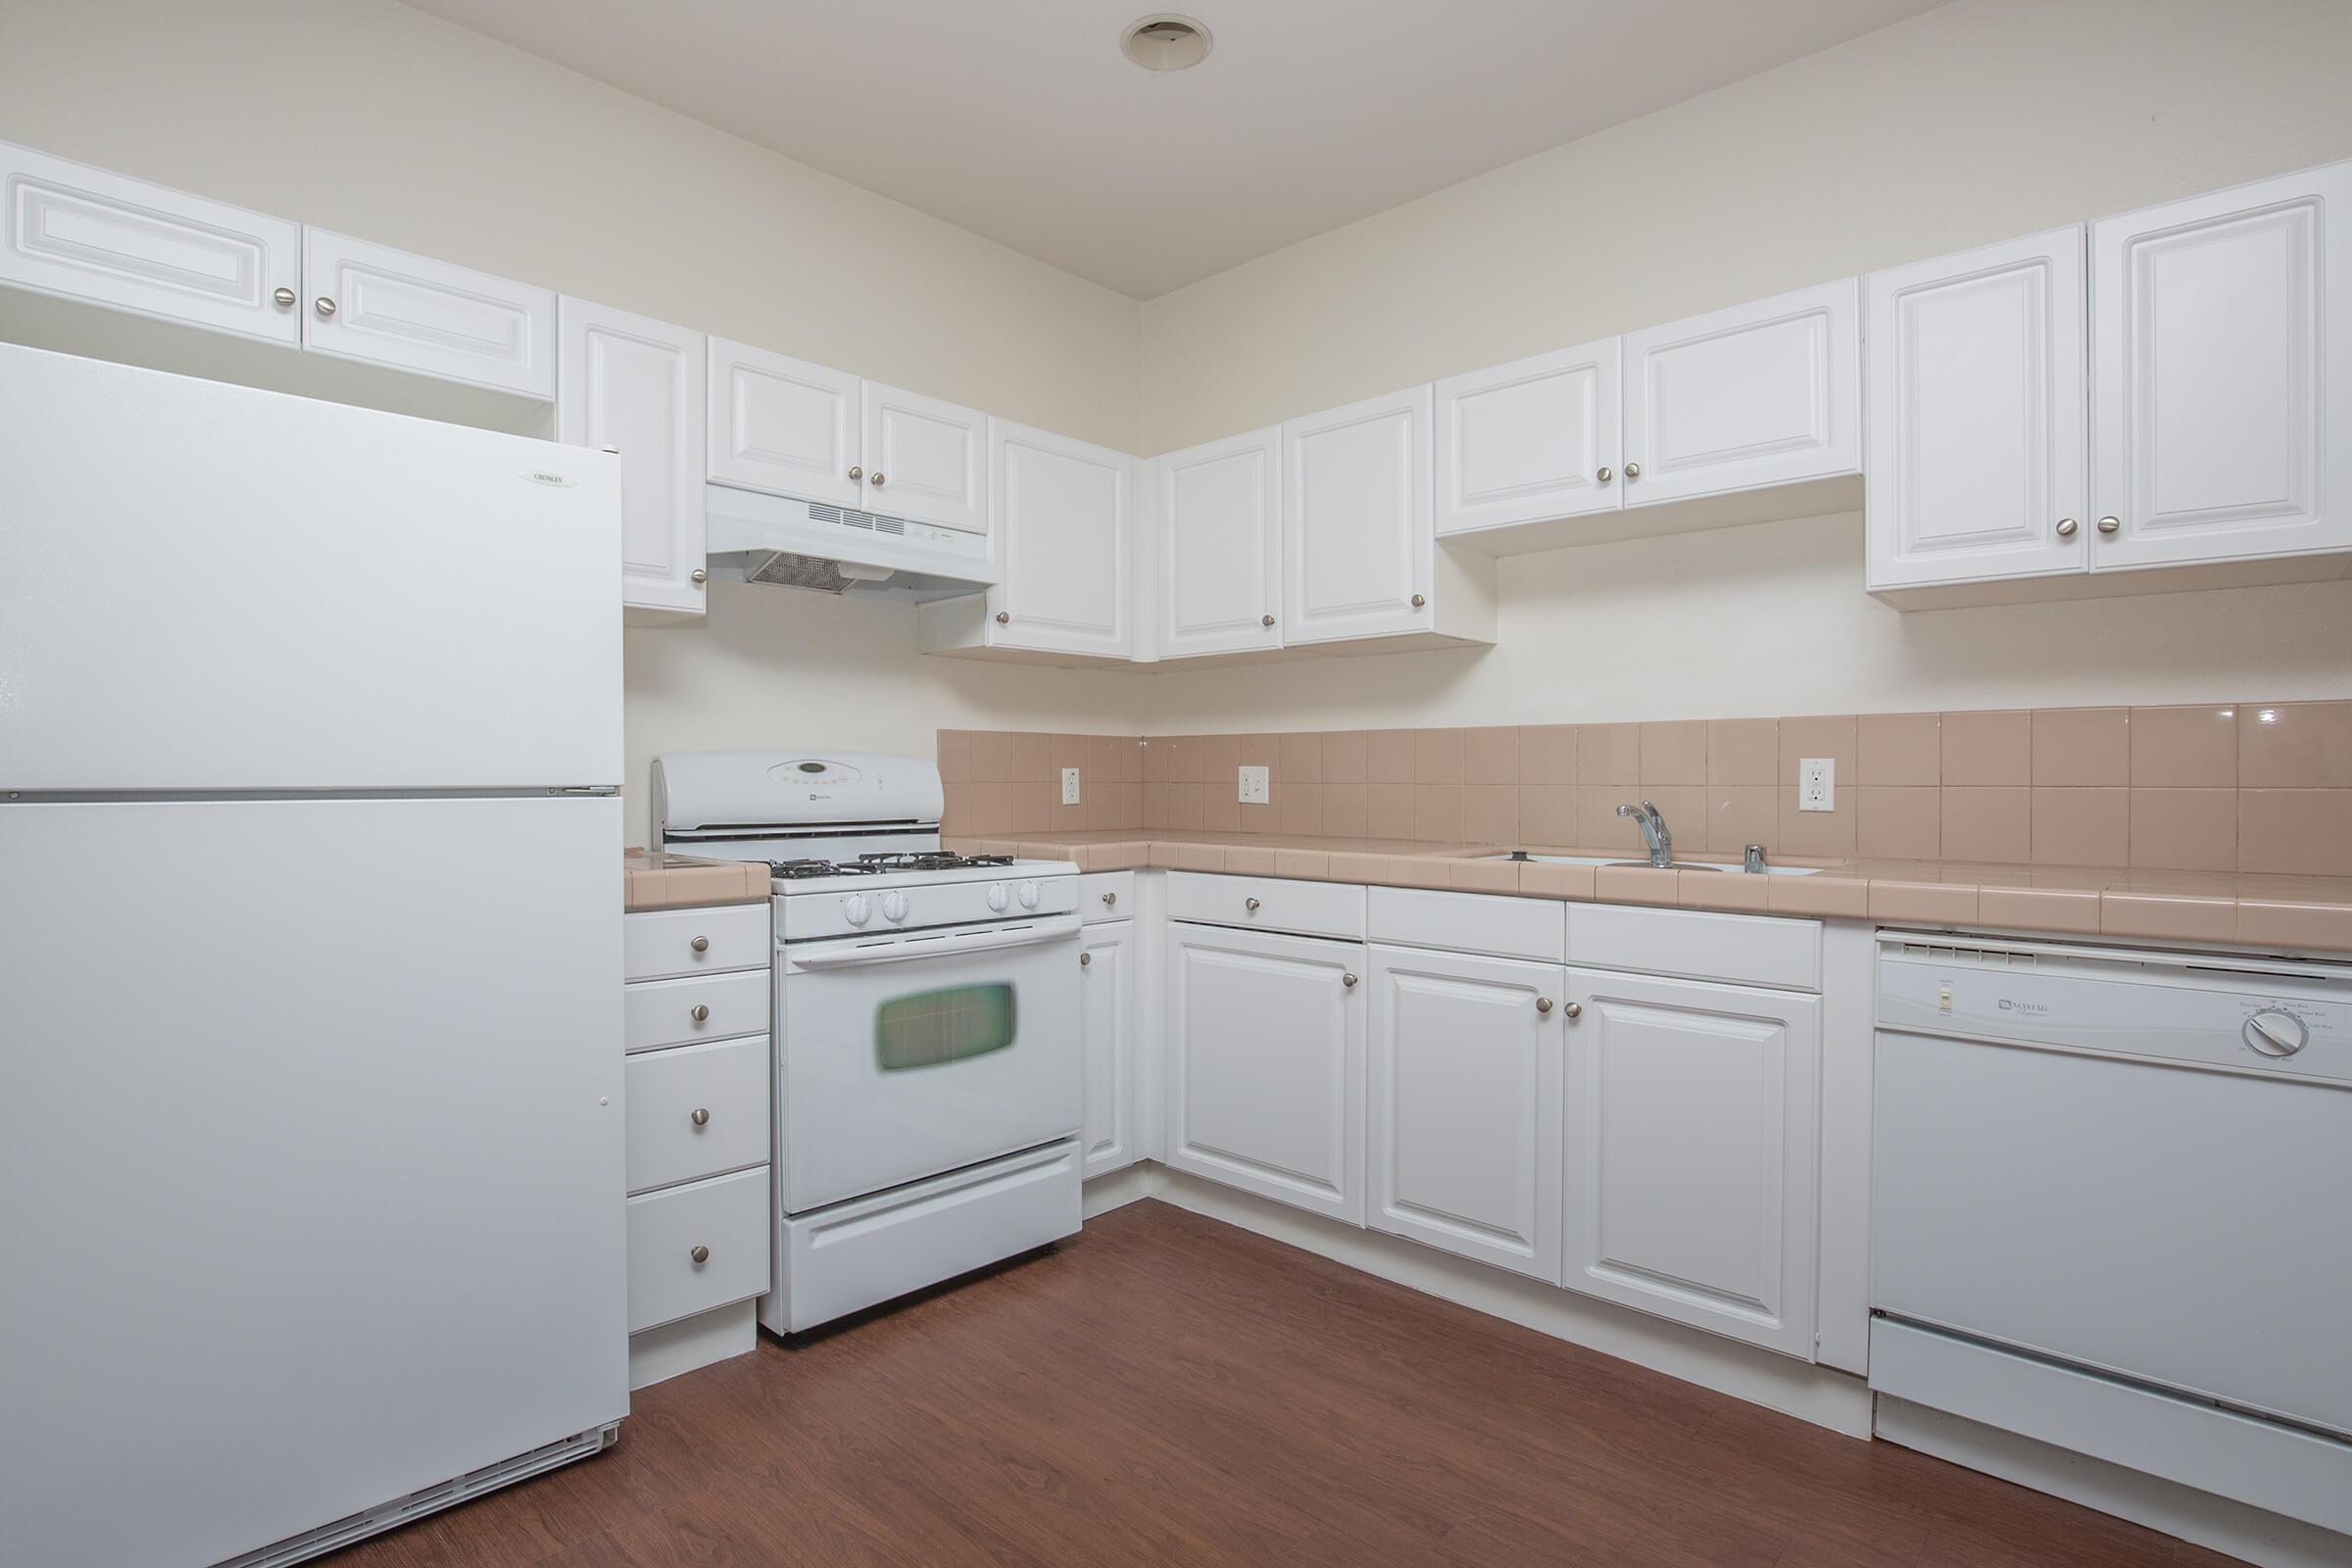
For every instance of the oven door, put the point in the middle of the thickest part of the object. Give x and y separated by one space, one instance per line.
905 1054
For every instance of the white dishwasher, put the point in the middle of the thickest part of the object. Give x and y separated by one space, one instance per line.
2112 1208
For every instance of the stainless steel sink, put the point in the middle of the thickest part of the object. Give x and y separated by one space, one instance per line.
1678 865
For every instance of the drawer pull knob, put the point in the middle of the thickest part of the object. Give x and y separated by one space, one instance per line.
699 1116
1574 1009
1251 904
1542 1003
699 1254
700 1013
1110 898
700 944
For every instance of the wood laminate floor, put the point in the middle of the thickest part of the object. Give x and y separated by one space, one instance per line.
1165 1389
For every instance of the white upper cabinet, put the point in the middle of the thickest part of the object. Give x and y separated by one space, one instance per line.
1359 537
2221 369
386 307
1977 417
1762 394
783 426
925 459
1062 516
84 233
1529 441
1691 1143
1462 1151
1220 546
635 386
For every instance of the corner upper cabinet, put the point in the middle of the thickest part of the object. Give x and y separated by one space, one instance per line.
379 305
1529 442
1219 546
783 426
634 386
82 233
1061 522
1760 396
2221 356
1977 415
925 459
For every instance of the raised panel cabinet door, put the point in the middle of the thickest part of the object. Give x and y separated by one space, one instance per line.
1692 1131
1266 1065
1220 546
1529 441
1462 1148
412 312
783 426
1106 1031
1061 509
1360 533
1761 394
88 235
1978 434
635 386
925 459
2221 360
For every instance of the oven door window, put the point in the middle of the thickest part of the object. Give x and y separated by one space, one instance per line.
931 1028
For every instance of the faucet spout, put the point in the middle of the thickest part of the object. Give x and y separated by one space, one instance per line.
1654 832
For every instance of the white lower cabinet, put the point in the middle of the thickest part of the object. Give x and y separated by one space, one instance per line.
1107 1034
1690 1187
1465 1106
1265 1052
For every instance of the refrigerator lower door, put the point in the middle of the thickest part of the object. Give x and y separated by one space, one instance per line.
311 1132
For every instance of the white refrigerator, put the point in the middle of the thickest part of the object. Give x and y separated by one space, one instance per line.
310 1185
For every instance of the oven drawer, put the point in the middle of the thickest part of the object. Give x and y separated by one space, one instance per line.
725 1219
671 1012
657 944
1268 903
1105 895
724 1083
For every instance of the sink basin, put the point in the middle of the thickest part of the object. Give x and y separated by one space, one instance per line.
1679 865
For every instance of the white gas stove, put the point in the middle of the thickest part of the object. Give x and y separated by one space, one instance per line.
926 1023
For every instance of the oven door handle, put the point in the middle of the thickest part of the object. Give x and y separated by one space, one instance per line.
846 957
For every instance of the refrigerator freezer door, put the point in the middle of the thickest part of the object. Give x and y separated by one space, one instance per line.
311 1131
210 587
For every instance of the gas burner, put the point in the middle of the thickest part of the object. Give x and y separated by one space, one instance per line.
803 870
927 861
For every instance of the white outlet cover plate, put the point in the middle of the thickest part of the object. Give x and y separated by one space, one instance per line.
1069 786
1817 784
1255 786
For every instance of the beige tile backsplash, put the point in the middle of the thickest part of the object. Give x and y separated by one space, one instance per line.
2248 787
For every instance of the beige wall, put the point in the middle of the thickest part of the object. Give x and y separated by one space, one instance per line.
372 119
1981 121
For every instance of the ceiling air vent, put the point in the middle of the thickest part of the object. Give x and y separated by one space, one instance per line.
1165 42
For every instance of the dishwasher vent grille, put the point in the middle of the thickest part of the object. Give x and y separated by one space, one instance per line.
1984 956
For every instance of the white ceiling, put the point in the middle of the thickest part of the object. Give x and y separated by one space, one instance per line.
1020 119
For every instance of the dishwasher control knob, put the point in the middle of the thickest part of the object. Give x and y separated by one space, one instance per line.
2277 1034
855 911
998 898
894 907
1028 895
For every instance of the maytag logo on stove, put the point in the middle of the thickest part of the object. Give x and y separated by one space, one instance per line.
2032 1009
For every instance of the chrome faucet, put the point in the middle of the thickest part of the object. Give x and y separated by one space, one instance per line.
1654 832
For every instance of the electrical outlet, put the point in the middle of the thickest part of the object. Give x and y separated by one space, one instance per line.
1069 786
1817 784
1255 786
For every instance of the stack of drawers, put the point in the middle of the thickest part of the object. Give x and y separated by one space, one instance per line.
698 1118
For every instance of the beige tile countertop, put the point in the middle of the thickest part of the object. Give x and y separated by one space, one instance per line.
652 880
2306 914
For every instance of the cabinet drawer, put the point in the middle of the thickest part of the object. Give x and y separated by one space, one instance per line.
1740 948
1470 922
726 1219
660 943
726 1082
1267 904
1107 895
662 1013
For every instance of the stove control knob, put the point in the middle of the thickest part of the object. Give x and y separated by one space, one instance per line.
998 898
854 909
1028 895
2277 1034
894 906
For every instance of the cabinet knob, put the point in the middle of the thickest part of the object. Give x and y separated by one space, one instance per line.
1349 981
1420 601
1604 473
615 451
1251 904
697 575
1633 470
856 473
877 479
1265 620
1086 961
700 1013
1574 1009
2111 525
1542 1003
2065 528
1110 898
1004 618
324 305
700 1254
699 1116
285 298
700 944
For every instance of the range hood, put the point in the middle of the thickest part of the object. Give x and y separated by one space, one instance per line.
838 549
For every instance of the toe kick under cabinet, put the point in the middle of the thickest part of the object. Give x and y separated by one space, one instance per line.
699 1134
